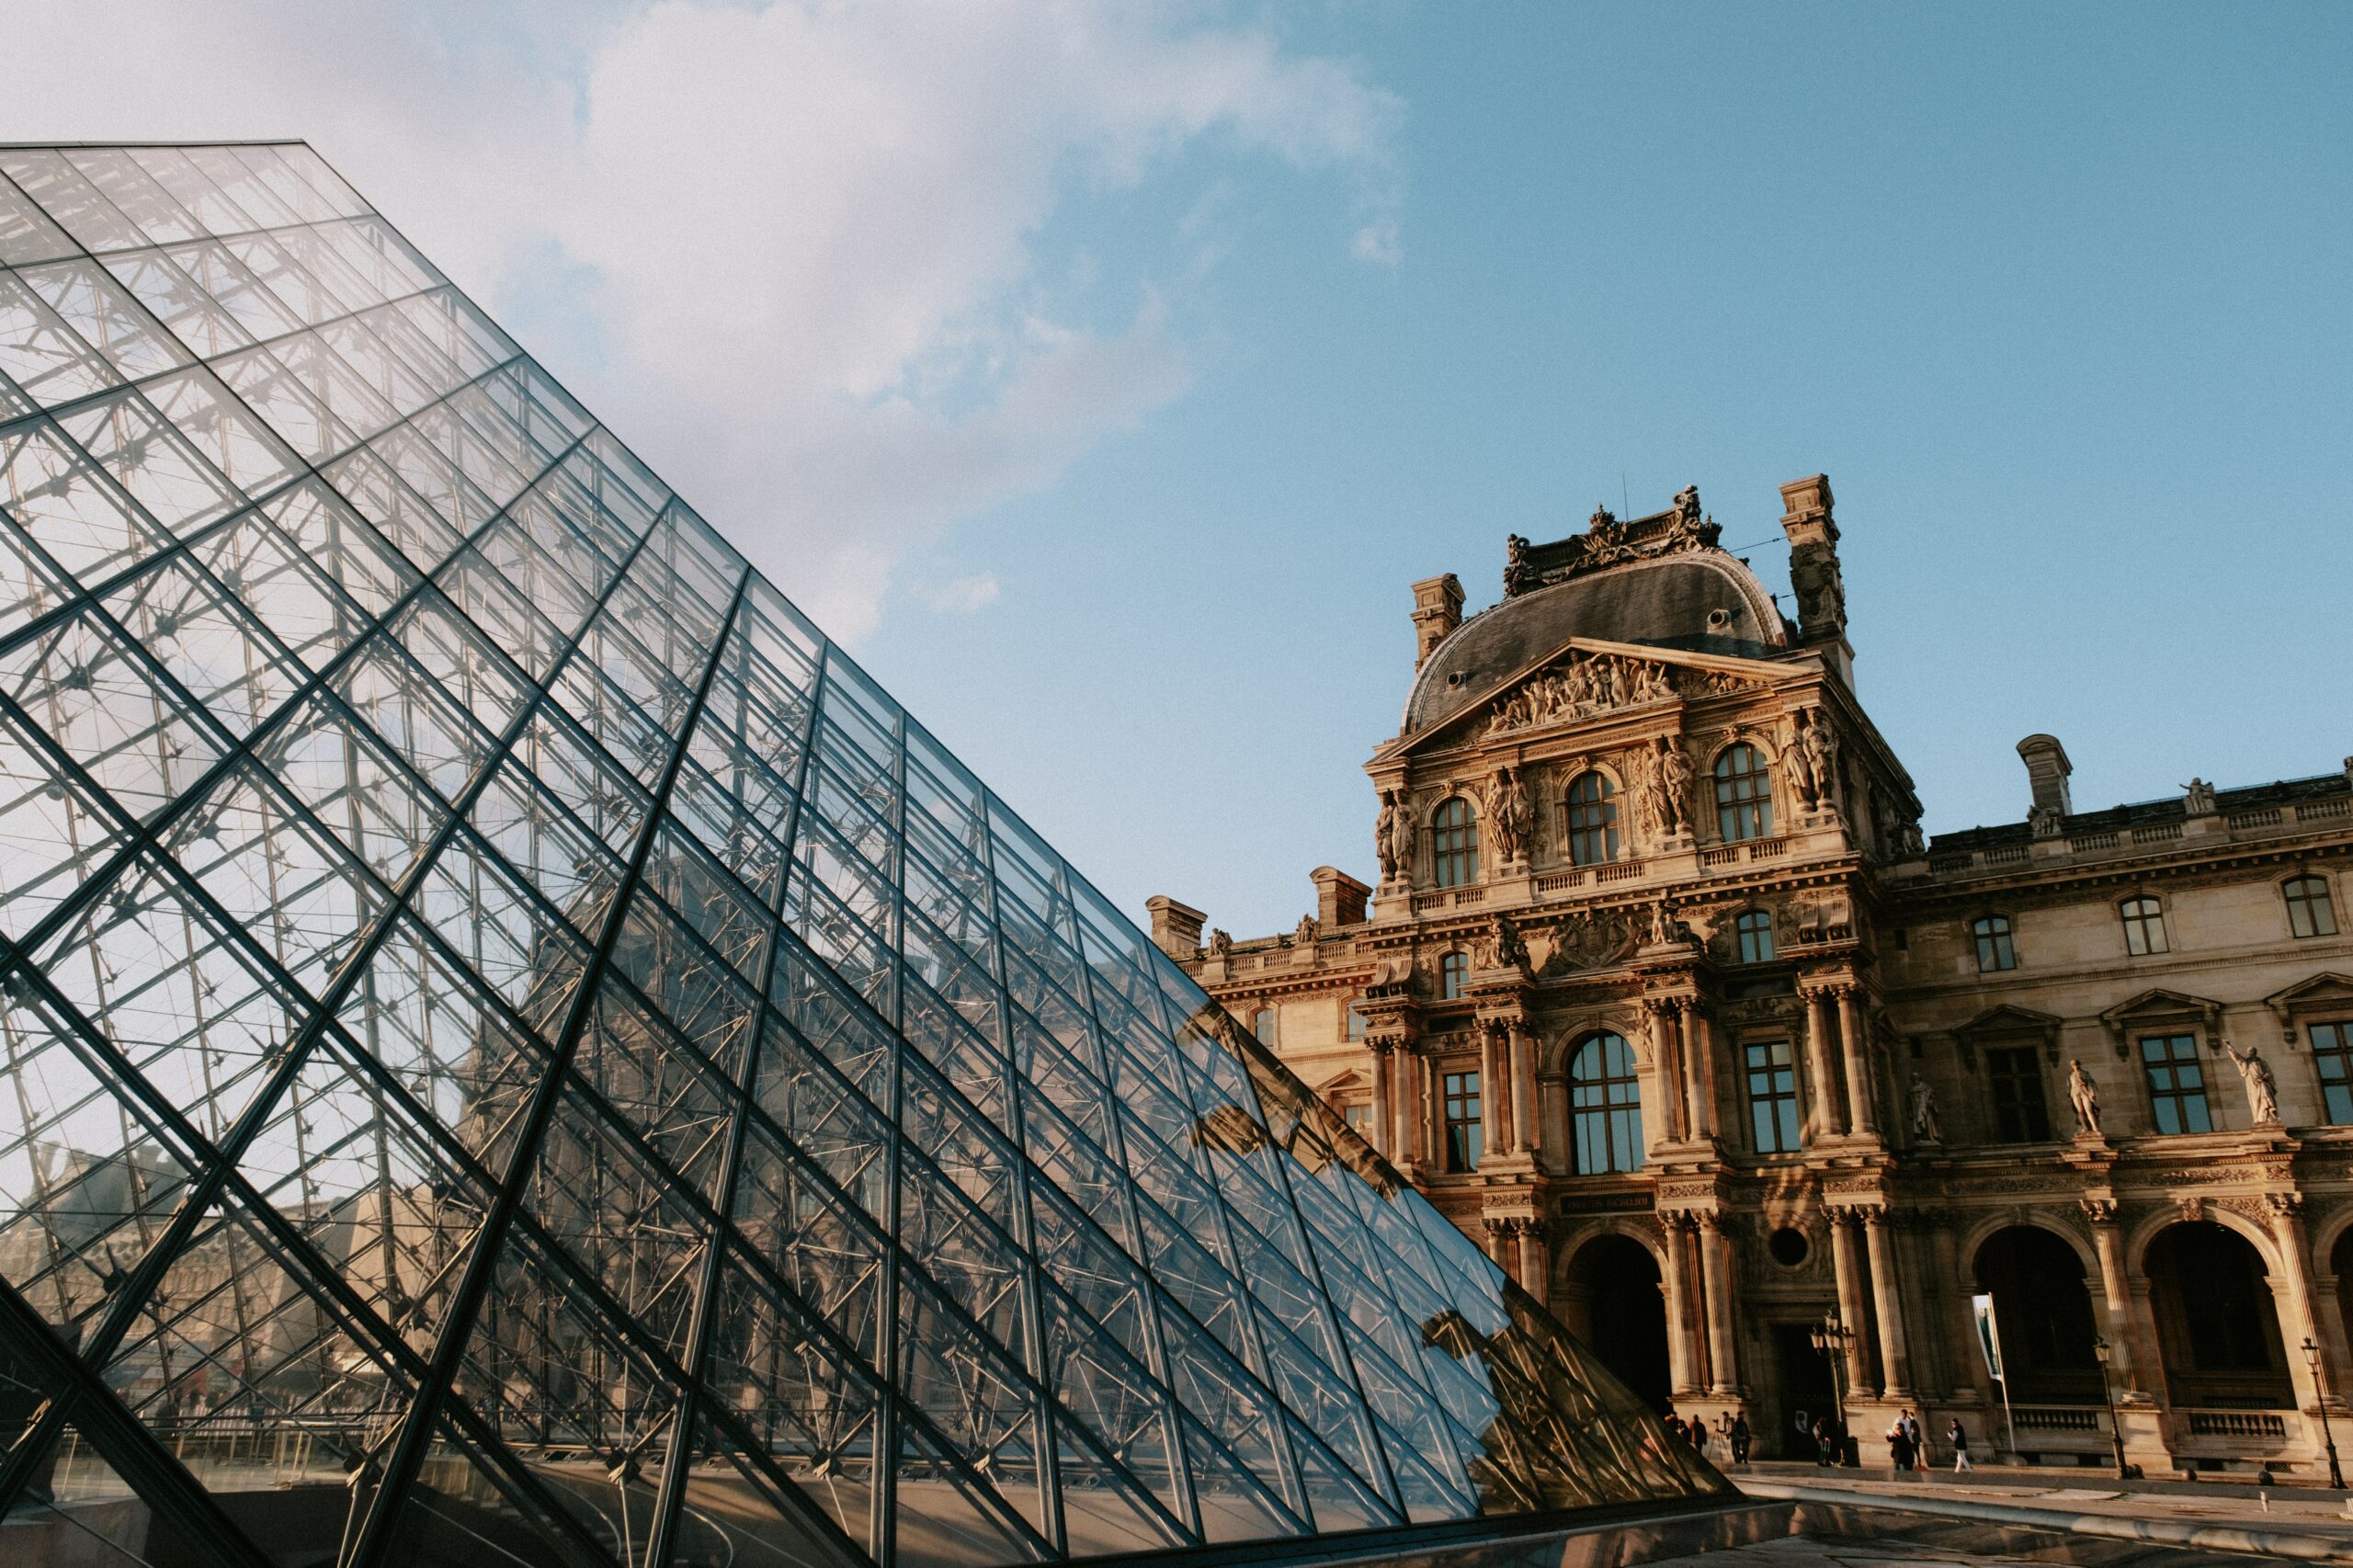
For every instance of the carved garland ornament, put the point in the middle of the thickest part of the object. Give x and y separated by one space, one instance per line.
1585 683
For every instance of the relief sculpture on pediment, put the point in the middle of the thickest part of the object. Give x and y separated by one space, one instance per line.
1586 941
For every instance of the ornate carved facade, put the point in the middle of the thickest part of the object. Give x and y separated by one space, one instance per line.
1664 999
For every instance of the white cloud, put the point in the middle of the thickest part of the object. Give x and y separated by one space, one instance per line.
963 596
1378 242
795 243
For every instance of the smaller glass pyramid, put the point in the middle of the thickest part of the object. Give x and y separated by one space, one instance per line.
518 1050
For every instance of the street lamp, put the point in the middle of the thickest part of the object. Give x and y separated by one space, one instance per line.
2327 1433
1830 1338
2108 1396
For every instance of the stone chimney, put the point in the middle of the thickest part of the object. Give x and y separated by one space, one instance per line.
1339 898
1814 582
2046 772
1438 610
1176 927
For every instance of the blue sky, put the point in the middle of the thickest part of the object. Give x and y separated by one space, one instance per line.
1104 375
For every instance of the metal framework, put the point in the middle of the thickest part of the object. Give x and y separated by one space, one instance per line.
518 1050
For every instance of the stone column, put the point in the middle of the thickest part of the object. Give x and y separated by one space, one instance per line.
1849 1271
1523 1090
1432 1130
1668 1069
1828 1117
1499 1247
1962 1356
2115 1304
1862 1115
1715 1275
1682 1345
1895 1358
1535 1261
1384 1128
1700 1070
1494 1095
2298 1321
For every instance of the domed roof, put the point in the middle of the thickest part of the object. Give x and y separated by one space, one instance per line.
1699 600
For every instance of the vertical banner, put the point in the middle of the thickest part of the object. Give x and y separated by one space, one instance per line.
1989 1339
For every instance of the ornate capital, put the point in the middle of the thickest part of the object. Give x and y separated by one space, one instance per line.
2286 1205
2098 1210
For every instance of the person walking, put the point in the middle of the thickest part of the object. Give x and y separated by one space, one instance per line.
1958 1436
1899 1446
1912 1431
1824 1436
1737 1435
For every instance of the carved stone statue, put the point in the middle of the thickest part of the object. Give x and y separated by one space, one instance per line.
1820 748
2084 1096
1401 839
1306 932
1686 505
1507 815
1653 811
1822 596
1220 943
1518 577
1385 836
1505 948
1797 766
1663 928
1913 843
2198 797
1925 1125
1675 775
2262 1090
2044 821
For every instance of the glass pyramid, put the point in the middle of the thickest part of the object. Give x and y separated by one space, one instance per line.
518 1050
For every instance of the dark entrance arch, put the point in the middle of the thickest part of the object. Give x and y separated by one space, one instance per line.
2216 1323
1610 1298
2044 1311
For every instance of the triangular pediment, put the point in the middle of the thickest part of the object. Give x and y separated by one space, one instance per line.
2323 992
1587 677
2159 1005
2008 1019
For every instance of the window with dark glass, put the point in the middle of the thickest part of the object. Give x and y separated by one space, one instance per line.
2177 1082
1461 1121
2144 925
1994 949
1773 1097
1453 971
1605 1105
1454 844
1593 820
1754 931
2309 912
2014 1077
1744 794
2333 1058
1262 1024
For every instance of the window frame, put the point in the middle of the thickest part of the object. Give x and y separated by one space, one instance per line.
1266 1036
2333 1046
2307 893
1776 1119
2178 1051
1757 924
1995 936
1744 797
1463 1113
1592 819
2022 1115
1353 1025
1453 974
1454 844
2142 915
1605 1111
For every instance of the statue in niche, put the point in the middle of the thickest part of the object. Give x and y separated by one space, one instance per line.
2262 1089
1676 776
1400 838
2198 796
1926 1128
1507 815
1821 750
1796 766
1220 943
2083 1095
1505 948
1384 837
1652 812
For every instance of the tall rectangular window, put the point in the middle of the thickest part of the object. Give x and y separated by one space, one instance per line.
1996 950
1356 1022
2177 1082
1359 1118
2333 1056
2309 914
2014 1074
2144 925
1462 1121
1593 821
1773 1097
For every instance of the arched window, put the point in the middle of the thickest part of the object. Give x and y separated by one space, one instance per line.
1593 820
1605 1105
2144 925
1454 844
1262 1024
1755 931
1453 970
1994 949
1744 794
2309 912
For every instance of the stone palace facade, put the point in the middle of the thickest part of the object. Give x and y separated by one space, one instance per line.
1663 998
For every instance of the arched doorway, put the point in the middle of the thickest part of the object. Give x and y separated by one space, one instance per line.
1610 1298
2044 1312
2216 1324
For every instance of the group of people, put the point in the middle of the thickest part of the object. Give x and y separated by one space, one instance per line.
1730 1426
1907 1446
